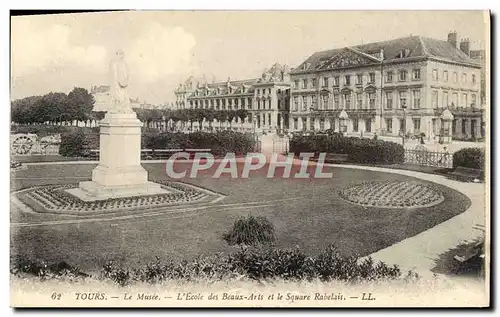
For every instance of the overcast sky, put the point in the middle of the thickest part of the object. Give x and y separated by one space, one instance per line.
58 52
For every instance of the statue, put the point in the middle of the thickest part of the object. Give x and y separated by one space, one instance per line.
118 101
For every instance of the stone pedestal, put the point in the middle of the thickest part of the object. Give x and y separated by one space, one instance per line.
119 173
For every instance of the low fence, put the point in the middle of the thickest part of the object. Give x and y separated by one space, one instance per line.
429 158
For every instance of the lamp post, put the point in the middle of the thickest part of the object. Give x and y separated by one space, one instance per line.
343 121
446 119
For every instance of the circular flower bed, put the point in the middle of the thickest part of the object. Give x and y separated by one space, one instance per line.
55 198
392 194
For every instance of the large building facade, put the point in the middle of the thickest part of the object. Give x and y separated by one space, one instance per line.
394 87
267 99
389 88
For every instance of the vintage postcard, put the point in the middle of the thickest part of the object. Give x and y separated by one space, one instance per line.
250 159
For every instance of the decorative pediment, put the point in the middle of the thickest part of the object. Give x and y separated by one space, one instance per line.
324 91
349 58
346 90
370 88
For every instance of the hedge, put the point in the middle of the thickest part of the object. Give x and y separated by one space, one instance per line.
80 142
469 157
255 263
359 150
43 130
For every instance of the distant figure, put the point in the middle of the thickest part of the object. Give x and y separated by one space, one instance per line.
375 137
422 139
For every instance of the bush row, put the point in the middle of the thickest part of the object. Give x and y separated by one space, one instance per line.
220 143
469 157
359 150
79 142
44 130
257 263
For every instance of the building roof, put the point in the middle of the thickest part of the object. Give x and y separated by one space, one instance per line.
397 49
99 89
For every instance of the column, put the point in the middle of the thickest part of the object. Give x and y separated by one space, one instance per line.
308 123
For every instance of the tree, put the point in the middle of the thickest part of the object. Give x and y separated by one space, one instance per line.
222 116
231 114
80 104
242 114
210 116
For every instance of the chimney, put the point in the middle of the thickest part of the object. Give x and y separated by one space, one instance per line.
453 38
465 46
381 54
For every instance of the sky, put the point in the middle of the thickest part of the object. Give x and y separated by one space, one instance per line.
162 48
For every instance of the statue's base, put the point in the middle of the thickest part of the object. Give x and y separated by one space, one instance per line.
92 191
119 173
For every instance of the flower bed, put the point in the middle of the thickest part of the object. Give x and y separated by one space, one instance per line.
55 198
392 194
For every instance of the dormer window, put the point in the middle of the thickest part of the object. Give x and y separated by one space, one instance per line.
404 53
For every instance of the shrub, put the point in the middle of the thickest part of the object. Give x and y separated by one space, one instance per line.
78 143
42 130
469 157
369 151
258 263
250 231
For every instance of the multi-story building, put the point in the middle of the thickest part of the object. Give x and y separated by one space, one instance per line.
266 98
391 87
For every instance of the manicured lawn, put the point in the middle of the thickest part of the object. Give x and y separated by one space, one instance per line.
305 212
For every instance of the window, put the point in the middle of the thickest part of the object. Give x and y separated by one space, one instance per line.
249 103
464 100
313 82
371 97
473 78
445 99
434 99
304 103
464 78
402 75
336 102
388 124
388 98
454 126
313 102
454 101
325 81
402 99
445 75
325 101
322 124
435 74
416 125
372 78
388 77
347 101
416 74
464 126
359 79
368 125
416 99
355 125
359 100
473 101
269 119
295 124
304 83
296 103
347 80
455 77
336 80
296 84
